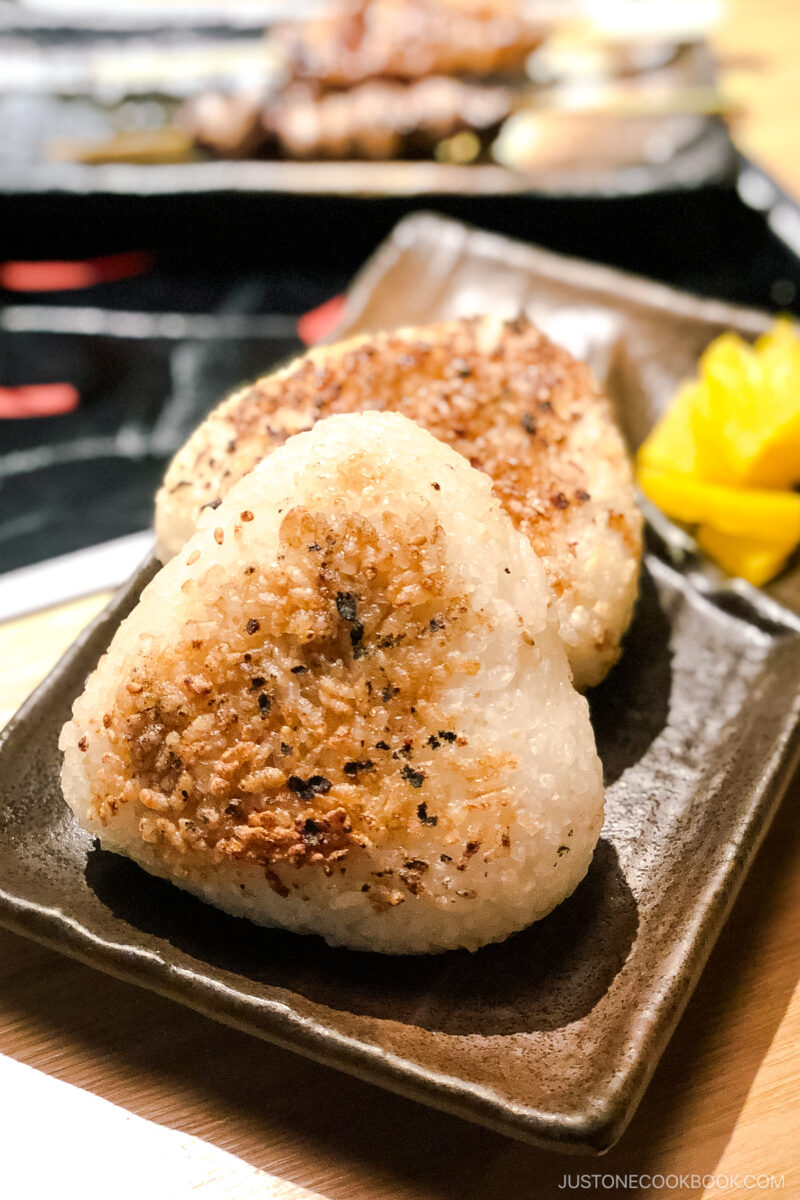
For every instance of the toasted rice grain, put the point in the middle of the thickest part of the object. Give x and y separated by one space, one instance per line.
505 397
352 714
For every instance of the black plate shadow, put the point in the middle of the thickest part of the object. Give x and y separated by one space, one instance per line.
631 706
545 977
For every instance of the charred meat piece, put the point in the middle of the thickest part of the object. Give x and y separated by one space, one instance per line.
230 126
376 120
356 40
383 120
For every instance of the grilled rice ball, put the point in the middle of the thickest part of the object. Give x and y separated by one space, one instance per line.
344 708
504 396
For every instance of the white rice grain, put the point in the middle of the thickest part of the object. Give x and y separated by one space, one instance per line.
344 707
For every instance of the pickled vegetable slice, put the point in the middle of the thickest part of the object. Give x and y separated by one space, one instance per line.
753 560
765 515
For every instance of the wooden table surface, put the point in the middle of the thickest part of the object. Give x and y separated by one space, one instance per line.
725 1100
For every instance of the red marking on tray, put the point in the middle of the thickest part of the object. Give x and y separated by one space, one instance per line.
320 321
37 400
68 276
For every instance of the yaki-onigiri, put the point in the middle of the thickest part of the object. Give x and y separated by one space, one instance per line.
344 707
513 403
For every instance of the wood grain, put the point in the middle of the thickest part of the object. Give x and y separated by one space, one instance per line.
757 46
31 646
725 1099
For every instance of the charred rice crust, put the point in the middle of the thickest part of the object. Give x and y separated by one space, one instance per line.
306 728
512 409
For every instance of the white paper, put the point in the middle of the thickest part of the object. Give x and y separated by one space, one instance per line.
58 1142
71 575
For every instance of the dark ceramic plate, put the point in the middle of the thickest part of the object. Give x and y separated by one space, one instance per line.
553 1035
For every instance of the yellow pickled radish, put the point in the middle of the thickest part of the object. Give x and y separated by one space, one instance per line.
763 514
753 560
731 362
746 418
780 340
777 463
727 452
779 353
671 445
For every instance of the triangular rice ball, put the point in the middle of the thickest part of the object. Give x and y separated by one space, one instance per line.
344 707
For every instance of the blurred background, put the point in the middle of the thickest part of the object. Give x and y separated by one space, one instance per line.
186 189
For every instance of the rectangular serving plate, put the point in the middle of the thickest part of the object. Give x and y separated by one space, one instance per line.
553 1035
